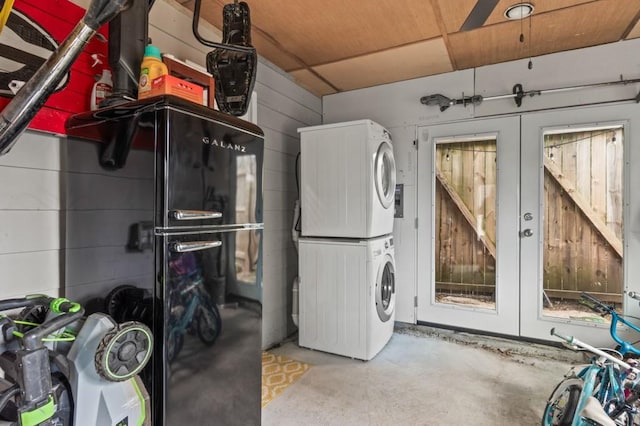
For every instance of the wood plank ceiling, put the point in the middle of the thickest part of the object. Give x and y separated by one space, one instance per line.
337 45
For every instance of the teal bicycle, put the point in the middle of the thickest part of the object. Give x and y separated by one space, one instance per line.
606 391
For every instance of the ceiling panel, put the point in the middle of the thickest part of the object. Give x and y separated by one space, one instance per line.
211 11
330 30
355 46
402 63
311 82
540 7
635 31
454 13
585 25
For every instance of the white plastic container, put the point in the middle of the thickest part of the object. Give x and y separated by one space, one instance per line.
101 89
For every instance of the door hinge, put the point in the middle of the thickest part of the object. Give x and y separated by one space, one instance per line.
415 301
416 223
415 143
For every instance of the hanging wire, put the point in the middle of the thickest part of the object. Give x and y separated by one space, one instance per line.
591 135
530 65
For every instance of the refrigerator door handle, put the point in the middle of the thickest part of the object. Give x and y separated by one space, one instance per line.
186 246
194 214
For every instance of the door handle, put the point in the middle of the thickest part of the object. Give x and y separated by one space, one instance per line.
187 246
527 233
194 214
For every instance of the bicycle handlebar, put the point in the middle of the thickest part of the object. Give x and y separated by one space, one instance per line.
575 342
603 309
599 306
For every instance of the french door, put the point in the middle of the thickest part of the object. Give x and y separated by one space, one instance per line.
579 218
519 215
468 225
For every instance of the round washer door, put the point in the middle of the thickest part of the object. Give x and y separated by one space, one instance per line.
386 289
385 174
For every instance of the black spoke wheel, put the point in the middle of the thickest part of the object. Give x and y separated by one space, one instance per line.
209 323
562 404
121 300
33 314
124 351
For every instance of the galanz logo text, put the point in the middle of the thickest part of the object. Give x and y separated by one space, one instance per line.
223 144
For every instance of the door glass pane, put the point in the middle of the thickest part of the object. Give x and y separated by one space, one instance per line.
583 205
465 223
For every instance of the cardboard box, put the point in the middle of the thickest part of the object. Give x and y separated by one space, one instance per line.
170 85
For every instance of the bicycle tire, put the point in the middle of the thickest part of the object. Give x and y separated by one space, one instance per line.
208 323
570 388
174 345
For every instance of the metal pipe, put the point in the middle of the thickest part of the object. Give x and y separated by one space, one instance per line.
518 94
16 116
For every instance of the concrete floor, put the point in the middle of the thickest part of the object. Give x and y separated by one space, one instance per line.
423 376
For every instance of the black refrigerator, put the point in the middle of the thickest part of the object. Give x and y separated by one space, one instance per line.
203 234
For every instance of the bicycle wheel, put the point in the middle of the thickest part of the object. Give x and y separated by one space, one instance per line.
562 404
174 345
209 323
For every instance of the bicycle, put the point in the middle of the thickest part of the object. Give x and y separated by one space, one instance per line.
596 393
603 392
191 309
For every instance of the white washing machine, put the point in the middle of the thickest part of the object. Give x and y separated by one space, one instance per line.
347 295
348 179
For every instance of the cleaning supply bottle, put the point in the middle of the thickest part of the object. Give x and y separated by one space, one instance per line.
101 89
151 68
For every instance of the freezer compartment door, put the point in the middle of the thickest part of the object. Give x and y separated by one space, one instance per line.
211 338
212 174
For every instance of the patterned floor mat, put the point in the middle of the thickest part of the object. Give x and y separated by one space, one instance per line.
278 372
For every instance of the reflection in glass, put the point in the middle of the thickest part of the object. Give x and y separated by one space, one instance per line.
582 233
247 243
465 223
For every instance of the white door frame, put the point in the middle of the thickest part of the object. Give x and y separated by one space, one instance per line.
505 318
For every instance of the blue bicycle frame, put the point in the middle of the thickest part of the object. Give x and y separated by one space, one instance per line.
601 382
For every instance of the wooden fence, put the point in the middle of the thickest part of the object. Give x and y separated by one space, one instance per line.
582 215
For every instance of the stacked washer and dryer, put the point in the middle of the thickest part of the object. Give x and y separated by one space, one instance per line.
346 258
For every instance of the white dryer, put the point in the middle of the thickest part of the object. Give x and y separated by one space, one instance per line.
348 179
347 295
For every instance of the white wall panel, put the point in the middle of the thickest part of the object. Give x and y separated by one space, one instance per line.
100 228
29 272
29 189
274 181
398 104
89 191
279 122
405 243
34 151
97 264
276 161
29 230
280 142
404 231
